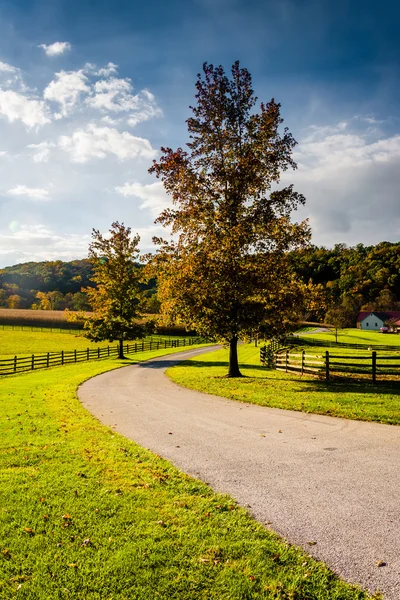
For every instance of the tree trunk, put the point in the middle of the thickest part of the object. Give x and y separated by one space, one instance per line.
121 348
234 370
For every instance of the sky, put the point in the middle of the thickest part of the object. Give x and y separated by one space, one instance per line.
91 89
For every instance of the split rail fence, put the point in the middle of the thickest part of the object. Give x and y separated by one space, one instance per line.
371 366
20 364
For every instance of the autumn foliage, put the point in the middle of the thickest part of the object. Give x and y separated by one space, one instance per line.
116 298
225 271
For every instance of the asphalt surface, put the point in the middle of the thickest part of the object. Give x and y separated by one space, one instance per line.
331 482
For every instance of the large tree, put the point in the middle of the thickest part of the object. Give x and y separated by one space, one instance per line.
225 271
116 298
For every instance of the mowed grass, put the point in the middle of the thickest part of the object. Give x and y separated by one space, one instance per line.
357 336
267 387
88 514
24 343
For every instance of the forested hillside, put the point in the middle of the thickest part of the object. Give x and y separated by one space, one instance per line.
359 277
356 278
51 285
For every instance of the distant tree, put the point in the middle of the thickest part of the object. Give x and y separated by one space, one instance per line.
116 298
44 301
80 301
3 298
14 301
227 273
338 317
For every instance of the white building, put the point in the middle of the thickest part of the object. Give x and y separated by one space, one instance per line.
373 321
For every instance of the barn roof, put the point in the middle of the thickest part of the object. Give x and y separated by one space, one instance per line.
384 316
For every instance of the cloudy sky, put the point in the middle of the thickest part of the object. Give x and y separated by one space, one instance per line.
90 90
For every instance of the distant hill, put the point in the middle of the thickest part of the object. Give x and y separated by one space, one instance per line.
59 283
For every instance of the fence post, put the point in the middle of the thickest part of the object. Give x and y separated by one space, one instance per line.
327 365
286 360
33 361
15 363
98 351
150 344
48 359
62 357
374 367
87 353
302 362
108 350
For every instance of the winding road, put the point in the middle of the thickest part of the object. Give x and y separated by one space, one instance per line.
329 485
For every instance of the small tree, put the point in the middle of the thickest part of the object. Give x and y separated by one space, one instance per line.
338 317
115 299
228 274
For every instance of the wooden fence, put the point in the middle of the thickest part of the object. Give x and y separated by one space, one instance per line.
20 364
370 366
308 341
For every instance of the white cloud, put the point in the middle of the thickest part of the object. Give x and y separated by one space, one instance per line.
17 107
66 90
5 68
56 49
350 178
38 242
97 142
110 69
33 193
42 151
323 155
116 95
153 195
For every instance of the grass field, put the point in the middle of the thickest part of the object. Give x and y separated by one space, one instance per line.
358 336
24 343
87 514
351 400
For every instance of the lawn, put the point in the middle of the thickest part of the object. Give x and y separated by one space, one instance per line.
358 336
88 514
351 400
22 343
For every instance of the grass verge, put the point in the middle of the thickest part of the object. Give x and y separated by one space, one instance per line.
357 336
350 400
86 513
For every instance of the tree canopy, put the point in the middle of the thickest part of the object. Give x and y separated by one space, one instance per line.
226 271
116 298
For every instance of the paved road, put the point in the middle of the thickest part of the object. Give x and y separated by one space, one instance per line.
314 478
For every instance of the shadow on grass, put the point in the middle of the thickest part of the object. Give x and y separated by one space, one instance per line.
351 387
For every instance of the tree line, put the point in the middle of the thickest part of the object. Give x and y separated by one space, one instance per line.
56 285
359 278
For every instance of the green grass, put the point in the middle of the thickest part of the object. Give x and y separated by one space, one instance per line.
358 336
88 514
351 400
22 343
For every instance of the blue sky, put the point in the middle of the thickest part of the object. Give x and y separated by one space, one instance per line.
90 89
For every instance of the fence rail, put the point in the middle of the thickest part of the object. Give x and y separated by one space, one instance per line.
307 341
329 365
21 364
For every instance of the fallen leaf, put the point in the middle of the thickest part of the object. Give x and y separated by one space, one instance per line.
381 563
29 531
162 523
311 543
86 542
